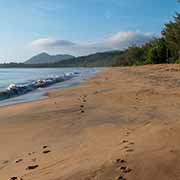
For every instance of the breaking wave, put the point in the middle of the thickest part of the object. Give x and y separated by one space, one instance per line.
14 90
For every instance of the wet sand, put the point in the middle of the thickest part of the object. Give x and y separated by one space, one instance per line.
122 124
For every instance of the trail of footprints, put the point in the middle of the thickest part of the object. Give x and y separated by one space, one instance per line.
123 168
83 99
119 164
46 150
119 168
127 145
122 163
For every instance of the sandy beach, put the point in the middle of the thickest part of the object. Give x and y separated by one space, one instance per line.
123 124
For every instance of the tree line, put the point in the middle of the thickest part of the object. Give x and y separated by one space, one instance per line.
165 49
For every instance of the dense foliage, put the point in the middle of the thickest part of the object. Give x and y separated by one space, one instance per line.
171 34
162 50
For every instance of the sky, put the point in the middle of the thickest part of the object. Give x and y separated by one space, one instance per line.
78 27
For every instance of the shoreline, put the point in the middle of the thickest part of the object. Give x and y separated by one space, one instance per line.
31 93
118 124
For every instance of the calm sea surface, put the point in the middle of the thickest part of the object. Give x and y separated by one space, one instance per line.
22 76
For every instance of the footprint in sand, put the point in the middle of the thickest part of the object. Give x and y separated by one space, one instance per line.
125 141
129 144
126 147
96 92
127 134
123 168
32 167
128 170
19 160
34 160
44 147
120 178
129 150
15 178
120 161
46 151
31 153
81 108
83 98
5 162
124 171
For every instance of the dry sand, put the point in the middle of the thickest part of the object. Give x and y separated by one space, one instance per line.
121 124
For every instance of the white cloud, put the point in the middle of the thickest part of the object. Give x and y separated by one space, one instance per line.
126 39
50 43
118 41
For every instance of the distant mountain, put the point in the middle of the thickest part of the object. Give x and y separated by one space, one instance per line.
103 59
45 58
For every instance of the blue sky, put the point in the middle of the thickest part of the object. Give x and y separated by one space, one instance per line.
78 27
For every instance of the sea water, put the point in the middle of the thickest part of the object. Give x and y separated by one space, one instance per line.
21 77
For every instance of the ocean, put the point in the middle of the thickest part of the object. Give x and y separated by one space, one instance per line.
18 85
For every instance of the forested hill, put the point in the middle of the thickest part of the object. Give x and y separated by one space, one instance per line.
95 60
44 58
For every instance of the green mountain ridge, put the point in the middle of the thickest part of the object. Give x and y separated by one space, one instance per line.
44 58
